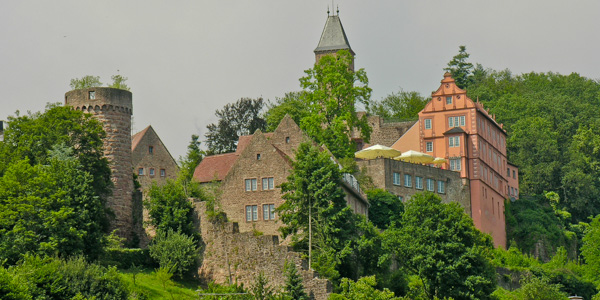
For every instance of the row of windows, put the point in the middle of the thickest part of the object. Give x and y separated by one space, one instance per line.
151 172
457 121
441 185
453 142
514 174
267 184
268 212
491 133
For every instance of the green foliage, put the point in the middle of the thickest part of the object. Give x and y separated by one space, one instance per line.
399 106
170 209
439 243
261 289
293 288
460 68
235 119
385 208
13 287
590 250
364 288
533 288
119 82
85 82
125 258
174 251
331 96
291 104
148 286
513 259
191 160
214 288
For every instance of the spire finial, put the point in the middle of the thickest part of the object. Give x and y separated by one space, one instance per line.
328 10
338 10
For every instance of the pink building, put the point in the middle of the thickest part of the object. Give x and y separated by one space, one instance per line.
460 130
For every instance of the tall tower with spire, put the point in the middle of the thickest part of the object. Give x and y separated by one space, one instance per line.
333 38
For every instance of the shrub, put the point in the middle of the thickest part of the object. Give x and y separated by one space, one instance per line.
125 258
175 251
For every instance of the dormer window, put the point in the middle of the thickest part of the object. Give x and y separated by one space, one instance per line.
92 95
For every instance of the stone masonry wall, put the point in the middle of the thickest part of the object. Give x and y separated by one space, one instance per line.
112 107
231 256
384 133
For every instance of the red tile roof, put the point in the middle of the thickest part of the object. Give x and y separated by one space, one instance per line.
244 140
136 138
215 167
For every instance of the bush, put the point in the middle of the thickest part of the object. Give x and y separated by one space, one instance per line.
169 208
125 258
174 251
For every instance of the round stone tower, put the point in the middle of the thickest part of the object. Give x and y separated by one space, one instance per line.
113 107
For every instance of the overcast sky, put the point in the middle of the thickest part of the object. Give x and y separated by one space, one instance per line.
185 59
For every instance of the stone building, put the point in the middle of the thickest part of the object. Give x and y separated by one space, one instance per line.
249 178
151 160
460 130
112 107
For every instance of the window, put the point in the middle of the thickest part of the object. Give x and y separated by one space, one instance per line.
258 156
407 180
449 100
430 185
396 178
150 149
92 95
427 123
251 213
514 174
141 172
419 182
401 198
454 141
441 187
287 139
268 211
508 172
456 121
429 146
267 183
455 164
250 184
151 171
163 173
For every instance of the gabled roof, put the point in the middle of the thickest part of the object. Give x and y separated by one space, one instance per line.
333 37
244 140
215 167
136 138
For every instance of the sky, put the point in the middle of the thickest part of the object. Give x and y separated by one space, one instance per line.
186 59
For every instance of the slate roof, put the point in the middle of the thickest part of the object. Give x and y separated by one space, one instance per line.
455 130
333 37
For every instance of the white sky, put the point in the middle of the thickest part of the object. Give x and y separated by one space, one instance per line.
185 59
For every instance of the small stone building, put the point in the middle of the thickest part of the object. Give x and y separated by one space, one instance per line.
151 160
249 178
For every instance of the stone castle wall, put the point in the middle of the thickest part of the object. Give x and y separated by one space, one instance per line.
231 256
112 107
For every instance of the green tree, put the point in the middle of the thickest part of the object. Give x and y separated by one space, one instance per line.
119 82
460 68
85 82
364 288
293 288
291 104
332 92
261 289
590 250
191 160
315 202
174 251
385 208
439 243
235 119
399 106
170 208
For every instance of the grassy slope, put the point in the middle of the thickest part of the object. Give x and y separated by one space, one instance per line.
147 281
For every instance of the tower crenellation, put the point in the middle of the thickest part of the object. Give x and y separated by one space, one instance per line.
113 107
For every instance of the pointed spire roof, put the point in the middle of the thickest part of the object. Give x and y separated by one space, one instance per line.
333 37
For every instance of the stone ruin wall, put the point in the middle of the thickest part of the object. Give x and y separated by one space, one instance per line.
242 256
113 107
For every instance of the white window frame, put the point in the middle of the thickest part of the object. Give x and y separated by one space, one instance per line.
427 123
454 141
268 212
448 100
441 187
456 164
152 172
396 178
163 173
250 184
428 146
141 172
251 213
418 182
407 180
268 183
430 185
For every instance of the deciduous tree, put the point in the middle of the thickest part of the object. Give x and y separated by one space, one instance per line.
84 82
399 106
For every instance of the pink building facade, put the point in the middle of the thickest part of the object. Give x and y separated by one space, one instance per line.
454 127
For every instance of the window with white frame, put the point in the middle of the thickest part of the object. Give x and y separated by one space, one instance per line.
268 183
449 100
441 187
396 178
407 180
454 141
163 173
427 123
455 164
419 182
141 172
429 146
250 184
151 171
456 121
251 213
430 184
268 212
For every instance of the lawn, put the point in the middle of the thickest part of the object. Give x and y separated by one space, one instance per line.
147 281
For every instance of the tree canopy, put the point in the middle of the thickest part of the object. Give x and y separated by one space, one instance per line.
399 106
84 82
460 69
235 119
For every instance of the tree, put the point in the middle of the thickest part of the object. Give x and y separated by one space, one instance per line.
399 106
170 209
331 98
85 82
385 208
191 160
439 243
261 289
119 82
293 288
460 68
174 251
291 104
313 195
235 119
591 250
364 288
